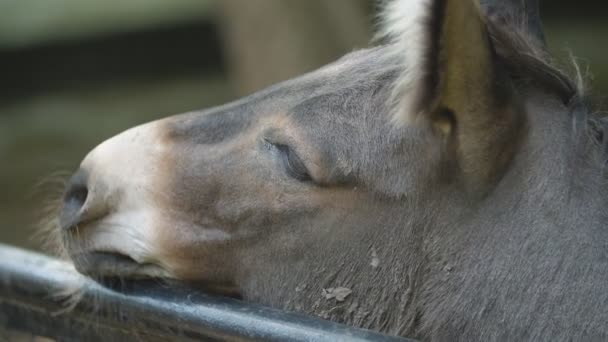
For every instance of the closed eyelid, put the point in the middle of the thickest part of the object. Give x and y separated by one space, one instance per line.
305 153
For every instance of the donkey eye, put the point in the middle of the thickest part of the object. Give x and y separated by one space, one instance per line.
293 164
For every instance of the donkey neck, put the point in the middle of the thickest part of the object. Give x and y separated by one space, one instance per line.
521 248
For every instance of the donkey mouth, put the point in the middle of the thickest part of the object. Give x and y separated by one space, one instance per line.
106 267
119 272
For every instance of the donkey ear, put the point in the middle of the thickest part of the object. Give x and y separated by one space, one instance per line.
451 79
448 60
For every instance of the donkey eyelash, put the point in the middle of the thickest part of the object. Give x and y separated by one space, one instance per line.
294 165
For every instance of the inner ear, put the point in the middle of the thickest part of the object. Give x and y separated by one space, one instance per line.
464 74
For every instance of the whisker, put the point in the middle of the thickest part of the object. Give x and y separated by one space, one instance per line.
49 191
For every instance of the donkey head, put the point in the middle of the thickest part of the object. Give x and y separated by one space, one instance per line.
333 180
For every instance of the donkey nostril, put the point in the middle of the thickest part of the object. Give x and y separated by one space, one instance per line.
76 195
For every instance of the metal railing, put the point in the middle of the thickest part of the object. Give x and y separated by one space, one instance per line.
30 282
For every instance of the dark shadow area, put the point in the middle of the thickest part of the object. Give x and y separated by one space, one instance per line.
168 52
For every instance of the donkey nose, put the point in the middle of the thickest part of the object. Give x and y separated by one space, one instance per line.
78 204
115 178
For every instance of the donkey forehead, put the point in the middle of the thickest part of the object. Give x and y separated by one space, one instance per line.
345 91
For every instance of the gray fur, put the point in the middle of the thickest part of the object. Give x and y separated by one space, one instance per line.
527 262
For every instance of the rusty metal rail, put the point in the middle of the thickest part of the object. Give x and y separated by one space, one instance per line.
30 301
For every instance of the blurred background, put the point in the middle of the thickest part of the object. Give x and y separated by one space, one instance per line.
73 73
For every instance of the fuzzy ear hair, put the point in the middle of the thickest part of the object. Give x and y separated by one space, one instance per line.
406 25
446 56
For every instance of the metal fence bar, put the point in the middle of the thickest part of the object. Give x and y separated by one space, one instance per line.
29 302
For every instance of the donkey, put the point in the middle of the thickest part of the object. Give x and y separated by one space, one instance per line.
449 184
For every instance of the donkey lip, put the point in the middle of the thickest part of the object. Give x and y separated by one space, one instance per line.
99 265
119 272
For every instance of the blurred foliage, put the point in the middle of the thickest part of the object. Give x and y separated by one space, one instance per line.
28 22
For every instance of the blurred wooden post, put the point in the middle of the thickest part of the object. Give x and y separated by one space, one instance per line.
267 41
